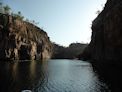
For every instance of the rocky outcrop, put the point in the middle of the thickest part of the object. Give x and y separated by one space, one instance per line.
106 40
70 52
20 40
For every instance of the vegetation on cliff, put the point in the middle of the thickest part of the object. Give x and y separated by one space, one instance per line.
6 9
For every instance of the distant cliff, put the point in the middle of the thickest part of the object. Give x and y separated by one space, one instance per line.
106 40
20 40
70 52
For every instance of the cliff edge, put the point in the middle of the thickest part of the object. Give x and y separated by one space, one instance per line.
106 39
20 40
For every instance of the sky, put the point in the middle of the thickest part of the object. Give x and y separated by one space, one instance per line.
65 21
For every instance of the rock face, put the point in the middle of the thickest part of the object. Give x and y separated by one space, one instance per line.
106 40
20 40
70 52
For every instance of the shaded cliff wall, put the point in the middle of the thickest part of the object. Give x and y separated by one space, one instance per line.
70 52
106 40
22 40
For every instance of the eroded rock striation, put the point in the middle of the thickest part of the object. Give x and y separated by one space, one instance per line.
20 40
106 40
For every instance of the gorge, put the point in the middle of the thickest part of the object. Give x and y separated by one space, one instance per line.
26 45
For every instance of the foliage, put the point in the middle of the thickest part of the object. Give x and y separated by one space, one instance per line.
18 15
6 9
1 7
98 12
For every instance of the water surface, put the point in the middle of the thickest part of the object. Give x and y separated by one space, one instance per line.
50 76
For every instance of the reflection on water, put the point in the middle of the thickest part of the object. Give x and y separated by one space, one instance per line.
111 74
16 76
50 76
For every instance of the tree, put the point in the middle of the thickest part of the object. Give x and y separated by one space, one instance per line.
27 20
6 9
1 7
98 12
19 13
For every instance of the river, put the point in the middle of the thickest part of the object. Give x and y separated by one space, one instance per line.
50 76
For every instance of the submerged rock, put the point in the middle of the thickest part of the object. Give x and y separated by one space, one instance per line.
20 40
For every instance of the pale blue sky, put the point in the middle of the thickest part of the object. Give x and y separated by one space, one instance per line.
65 21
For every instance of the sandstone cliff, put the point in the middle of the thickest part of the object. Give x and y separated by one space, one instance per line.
106 40
70 52
20 40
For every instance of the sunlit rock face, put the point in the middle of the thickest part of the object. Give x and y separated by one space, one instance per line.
106 40
20 40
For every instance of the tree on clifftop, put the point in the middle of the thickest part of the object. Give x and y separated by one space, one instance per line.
1 7
6 9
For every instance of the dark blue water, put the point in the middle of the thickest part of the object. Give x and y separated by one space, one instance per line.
50 76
